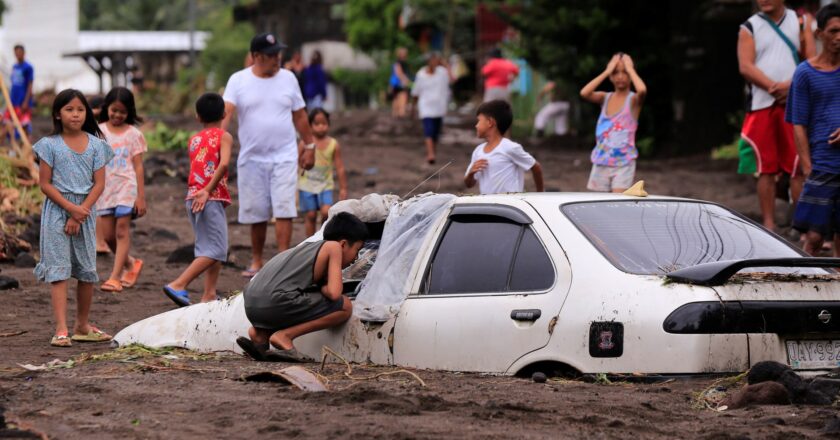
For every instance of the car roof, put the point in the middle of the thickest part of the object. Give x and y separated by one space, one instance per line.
563 197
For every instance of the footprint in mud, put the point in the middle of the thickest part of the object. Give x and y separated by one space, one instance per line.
382 402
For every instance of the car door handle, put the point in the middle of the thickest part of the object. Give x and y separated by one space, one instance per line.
525 314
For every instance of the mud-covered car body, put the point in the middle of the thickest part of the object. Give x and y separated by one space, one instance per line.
580 281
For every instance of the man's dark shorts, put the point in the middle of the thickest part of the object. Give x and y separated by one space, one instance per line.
818 208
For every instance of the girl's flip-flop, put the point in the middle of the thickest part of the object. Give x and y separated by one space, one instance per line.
179 297
93 335
61 341
111 285
130 277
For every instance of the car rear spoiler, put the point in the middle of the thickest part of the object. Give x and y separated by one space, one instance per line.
718 273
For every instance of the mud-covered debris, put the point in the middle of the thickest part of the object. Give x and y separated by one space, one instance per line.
294 375
25 259
764 393
7 283
539 377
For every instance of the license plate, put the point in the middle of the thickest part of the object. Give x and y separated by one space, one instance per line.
811 354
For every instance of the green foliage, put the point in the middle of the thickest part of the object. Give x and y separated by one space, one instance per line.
362 82
373 25
163 138
146 15
226 48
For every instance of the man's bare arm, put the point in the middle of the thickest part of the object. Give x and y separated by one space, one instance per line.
230 110
800 136
746 61
301 120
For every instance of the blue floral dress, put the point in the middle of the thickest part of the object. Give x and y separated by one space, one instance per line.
64 256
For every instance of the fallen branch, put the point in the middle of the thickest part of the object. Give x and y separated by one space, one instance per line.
349 372
8 334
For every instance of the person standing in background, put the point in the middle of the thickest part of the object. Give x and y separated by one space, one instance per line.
23 75
770 45
498 73
431 89
399 84
314 82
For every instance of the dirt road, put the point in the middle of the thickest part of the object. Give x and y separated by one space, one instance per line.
179 396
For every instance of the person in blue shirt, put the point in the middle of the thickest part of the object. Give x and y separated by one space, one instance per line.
813 107
315 82
21 91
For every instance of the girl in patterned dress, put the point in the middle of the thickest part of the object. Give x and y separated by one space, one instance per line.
124 196
614 155
72 167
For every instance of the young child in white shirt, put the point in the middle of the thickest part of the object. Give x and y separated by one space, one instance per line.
499 165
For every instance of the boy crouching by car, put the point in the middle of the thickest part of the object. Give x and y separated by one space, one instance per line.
299 291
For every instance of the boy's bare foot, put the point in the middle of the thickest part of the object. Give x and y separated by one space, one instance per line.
281 341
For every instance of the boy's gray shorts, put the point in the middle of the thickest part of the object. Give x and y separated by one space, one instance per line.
210 228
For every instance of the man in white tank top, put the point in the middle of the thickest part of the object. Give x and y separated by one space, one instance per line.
770 45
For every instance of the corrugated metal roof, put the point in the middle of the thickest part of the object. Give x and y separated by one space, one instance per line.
139 41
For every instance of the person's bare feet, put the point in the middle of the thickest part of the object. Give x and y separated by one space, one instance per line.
281 341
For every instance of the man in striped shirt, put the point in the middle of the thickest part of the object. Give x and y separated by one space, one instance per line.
813 107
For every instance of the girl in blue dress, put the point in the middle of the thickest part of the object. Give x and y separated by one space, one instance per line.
72 176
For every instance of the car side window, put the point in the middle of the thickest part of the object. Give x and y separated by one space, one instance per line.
488 254
532 268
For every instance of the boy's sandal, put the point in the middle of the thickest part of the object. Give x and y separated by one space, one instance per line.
291 356
94 335
179 297
254 351
130 277
61 341
111 285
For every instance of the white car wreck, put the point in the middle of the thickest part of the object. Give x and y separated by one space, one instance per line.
576 282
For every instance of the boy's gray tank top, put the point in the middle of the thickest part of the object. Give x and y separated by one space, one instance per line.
286 279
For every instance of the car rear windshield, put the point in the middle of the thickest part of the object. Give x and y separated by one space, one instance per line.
656 237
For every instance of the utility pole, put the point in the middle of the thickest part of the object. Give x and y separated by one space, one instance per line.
192 32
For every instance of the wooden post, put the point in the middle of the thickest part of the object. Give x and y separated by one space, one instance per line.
26 153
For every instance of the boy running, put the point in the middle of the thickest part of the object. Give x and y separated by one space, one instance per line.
499 165
813 107
299 291
207 198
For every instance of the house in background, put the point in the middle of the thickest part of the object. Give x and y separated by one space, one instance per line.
307 26
91 61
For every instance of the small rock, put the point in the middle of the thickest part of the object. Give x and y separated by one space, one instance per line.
768 421
763 393
832 427
164 234
7 283
184 254
370 184
828 387
24 259
539 377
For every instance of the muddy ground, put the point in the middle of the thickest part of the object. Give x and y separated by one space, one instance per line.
186 397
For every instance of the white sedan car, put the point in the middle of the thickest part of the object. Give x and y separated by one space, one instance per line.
576 282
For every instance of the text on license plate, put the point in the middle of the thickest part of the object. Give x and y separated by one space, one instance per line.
806 354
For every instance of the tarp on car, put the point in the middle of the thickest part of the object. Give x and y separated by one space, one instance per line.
407 226
406 229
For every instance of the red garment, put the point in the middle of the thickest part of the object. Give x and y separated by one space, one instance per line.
205 154
498 72
772 140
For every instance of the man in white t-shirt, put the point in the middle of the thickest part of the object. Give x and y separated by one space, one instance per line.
270 107
431 88
499 165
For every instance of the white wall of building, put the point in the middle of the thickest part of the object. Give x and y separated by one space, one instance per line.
47 29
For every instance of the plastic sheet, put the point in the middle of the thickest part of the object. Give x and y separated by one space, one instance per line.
406 229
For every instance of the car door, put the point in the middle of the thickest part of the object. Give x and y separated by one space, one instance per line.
491 287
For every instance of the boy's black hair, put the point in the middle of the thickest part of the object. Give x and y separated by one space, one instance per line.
318 111
19 46
124 96
345 226
210 107
826 13
500 111
63 99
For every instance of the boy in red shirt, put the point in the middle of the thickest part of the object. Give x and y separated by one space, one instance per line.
207 198
498 73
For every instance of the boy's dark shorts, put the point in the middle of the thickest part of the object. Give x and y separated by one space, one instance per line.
432 127
283 314
818 208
